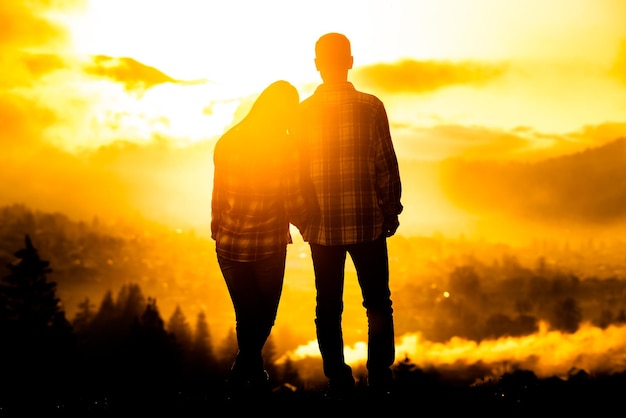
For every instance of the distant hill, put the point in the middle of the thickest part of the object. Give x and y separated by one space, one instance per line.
588 187
90 258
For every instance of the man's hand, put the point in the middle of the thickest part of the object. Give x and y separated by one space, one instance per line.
390 226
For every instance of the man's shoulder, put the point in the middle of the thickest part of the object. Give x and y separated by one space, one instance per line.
343 89
364 96
369 97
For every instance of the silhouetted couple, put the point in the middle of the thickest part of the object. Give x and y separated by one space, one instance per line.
327 165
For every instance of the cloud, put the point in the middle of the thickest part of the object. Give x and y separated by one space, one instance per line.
83 102
450 140
596 135
132 74
474 142
41 64
23 123
30 40
28 68
24 23
619 66
410 76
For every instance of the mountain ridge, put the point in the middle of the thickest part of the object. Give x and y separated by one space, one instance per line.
572 187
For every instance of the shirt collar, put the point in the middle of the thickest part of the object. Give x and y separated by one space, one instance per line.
330 87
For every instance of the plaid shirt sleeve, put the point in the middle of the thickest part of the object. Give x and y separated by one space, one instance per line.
389 188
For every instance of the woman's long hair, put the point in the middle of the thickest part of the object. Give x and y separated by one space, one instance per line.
273 110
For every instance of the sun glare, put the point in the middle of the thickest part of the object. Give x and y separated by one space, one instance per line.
192 113
103 112
210 77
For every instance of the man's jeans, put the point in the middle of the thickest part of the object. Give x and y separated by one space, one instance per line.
372 267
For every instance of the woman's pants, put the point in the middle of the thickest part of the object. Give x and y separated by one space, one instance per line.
255 289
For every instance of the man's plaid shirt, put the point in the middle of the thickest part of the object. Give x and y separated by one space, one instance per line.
256 194
353 179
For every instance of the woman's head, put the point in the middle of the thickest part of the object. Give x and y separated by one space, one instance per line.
275 106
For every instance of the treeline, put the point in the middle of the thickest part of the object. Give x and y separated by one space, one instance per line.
123 352
441 288
476 300
92 257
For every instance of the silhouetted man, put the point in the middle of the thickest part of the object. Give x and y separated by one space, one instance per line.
354 196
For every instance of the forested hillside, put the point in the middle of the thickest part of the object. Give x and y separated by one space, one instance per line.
117 276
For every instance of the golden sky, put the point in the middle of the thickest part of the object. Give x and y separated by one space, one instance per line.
113 106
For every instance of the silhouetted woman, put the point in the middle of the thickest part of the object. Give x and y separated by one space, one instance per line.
256 196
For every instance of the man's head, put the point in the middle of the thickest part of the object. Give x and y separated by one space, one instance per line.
333 57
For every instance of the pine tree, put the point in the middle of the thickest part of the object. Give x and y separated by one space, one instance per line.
201 366
107 311
181 329
84 316
38 342
109 346
202 356
130 303
114 318
31 302
153 359
202 343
